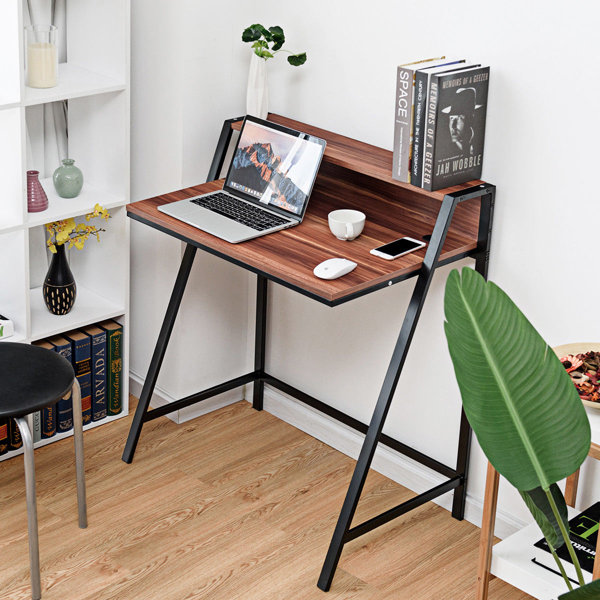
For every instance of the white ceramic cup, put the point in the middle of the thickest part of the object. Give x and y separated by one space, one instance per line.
346 224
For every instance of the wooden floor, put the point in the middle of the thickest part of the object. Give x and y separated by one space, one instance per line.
234 504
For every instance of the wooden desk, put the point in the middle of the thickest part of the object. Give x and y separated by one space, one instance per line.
456 222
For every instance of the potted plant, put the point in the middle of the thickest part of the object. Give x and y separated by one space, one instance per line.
59 289
520 402
266 43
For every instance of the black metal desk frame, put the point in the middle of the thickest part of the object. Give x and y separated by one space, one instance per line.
456 477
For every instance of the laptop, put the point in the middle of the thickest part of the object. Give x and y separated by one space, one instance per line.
268 184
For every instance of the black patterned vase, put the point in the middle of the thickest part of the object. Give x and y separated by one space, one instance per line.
59 287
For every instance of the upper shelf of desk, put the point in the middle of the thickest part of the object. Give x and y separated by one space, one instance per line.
359 157
352 175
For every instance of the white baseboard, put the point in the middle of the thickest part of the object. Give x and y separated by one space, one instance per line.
394 465
161 398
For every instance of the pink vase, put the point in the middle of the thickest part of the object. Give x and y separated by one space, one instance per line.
37 201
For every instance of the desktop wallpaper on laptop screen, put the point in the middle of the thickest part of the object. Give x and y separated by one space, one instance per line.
274 167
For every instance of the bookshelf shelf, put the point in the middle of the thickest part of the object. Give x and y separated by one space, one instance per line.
95 81
74 82
89 308
63 208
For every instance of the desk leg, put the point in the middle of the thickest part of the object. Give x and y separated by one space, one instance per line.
260 340
340 534
484 238
159 352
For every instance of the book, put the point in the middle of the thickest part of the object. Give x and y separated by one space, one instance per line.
36 432
48 414
64 407
114 349
421 91
403 117
98 338
583 533
455 128
81 347
14 436
4 437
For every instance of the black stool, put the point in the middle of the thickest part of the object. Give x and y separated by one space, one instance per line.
32 378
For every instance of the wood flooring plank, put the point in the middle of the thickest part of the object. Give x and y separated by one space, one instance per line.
233 504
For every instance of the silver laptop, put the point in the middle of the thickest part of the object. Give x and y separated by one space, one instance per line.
268 184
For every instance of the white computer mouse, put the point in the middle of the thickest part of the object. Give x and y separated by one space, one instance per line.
332 268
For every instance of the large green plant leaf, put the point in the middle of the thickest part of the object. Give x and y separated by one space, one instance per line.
591 591
517 396
537 502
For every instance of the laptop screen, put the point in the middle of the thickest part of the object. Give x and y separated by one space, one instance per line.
274 165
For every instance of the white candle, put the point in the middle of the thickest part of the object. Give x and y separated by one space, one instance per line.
41 65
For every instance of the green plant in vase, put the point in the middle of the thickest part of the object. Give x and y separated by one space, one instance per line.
520 402
266 43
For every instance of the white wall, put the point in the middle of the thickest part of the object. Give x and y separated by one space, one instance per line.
541 150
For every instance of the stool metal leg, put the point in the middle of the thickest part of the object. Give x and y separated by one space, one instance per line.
32 526
79 457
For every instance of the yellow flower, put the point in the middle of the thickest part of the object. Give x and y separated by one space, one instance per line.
75 234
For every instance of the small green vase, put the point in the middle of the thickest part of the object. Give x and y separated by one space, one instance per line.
68 179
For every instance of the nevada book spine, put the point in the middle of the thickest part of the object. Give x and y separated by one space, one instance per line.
429 144
82 363
99 410
420 99
114 343
15 440
64 407
403 123
4 437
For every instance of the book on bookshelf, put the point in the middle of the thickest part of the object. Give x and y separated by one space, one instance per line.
4 436
14 435
114 349
64 407
421 92
583 534
36 431
455 127
48 414
404 114
99 373
81 347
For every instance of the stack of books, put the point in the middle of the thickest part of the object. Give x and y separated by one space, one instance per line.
439 126
97 358
583 534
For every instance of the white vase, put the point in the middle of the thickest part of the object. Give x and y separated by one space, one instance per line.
257 96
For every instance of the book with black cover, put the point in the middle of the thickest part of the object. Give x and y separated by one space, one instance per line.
82 364
48 414
4 436
583 533
421 93
14 435
64 407
455 127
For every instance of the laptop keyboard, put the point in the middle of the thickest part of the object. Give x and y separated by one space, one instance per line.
232 208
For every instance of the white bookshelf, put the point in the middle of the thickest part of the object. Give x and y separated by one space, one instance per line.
94 82
511 558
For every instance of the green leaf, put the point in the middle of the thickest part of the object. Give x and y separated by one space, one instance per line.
278 37
297 59
260 44
591 591
264 54
537 503
518 397
252 33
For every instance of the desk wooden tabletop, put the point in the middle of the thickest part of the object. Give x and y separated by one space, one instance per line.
289 256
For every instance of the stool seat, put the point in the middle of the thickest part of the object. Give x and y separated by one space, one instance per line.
31 378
